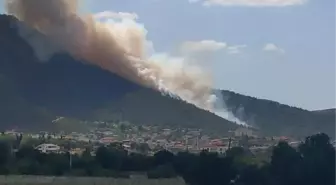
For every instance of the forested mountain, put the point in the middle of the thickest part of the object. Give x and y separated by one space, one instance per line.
325 111
276 118
33 92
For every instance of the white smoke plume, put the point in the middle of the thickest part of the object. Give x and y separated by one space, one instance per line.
120 47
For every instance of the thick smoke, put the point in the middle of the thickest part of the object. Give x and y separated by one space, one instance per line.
118 49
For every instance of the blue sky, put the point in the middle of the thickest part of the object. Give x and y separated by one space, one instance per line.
289 49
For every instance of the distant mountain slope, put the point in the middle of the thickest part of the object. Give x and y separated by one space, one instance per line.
275 118
15 110
32 94
38 92
325 111
148 107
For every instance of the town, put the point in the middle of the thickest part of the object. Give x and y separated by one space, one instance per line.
145 140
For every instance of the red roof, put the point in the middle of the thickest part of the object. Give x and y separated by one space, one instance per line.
107 140
283 138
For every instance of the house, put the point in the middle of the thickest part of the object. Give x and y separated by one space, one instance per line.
166 132
48 148
214 148
11 133
34 136
295 144
77 151
217 142
243 131
107 140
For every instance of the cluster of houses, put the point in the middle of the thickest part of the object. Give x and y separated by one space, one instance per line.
149 140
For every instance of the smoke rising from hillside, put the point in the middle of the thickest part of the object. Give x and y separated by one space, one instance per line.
118 48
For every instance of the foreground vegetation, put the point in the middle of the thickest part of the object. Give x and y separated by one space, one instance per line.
313 162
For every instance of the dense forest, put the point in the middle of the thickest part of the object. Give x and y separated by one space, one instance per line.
312 163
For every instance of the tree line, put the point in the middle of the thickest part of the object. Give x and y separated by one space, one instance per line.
312 163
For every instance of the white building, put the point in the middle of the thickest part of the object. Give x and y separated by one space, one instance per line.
243 131
212 148
48 148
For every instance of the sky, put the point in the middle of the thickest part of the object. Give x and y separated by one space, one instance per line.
282 50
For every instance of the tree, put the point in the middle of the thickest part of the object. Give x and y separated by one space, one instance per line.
27 166
5 155
253 175
318 160
143 148
140 128
18 139
212 169
163 157
184 164
162 171
286 164
116 146
27 152
110 158
311 164
123 127
102 157
235 152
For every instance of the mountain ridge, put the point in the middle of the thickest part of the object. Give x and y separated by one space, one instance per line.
327 111
276 117
66 87
36 92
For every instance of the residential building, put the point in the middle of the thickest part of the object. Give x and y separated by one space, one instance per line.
243 131
48 148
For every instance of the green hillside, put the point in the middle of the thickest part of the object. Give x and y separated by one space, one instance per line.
16 111
33 93
274 118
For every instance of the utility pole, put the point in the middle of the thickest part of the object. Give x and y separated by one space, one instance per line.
186 143
229 143
70 160
70 156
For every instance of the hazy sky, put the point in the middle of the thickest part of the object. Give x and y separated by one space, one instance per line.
282 50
